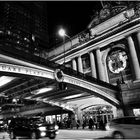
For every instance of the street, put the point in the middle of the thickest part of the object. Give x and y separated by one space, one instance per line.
70 135
80 134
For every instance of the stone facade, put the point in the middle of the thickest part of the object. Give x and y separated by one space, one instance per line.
110 49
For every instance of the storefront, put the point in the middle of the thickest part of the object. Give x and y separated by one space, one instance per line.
97 113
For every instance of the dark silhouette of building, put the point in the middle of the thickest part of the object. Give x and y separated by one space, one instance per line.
24 26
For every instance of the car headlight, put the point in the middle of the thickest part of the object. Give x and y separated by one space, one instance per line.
56 127
42 128
107 127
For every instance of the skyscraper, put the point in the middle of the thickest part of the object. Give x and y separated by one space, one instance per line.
24 25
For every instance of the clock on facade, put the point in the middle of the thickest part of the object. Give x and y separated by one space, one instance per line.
117 61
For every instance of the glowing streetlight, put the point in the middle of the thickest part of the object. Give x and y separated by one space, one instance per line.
62 32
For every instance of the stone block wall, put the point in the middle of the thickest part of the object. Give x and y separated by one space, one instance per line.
131 94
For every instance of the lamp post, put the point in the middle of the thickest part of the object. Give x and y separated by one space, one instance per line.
63 34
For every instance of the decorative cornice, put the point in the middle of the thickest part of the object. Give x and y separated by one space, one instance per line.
118 34
110 11
107 12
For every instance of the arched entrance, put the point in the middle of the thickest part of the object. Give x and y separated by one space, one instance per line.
98 113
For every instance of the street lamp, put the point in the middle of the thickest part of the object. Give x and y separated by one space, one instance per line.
62 33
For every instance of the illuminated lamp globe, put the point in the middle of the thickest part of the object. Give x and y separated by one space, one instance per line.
61 32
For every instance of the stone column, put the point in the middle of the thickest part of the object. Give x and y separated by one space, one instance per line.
80 66
74 65
119 112
138 38
100 65
92 64
134 58
130 112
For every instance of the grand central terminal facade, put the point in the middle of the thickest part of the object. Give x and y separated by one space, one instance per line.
109 51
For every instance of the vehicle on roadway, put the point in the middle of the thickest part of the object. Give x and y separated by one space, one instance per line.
124 127
33 128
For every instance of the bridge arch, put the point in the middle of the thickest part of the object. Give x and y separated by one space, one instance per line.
94 88
20 67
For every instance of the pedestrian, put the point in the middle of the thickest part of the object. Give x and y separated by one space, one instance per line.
91 123
84 123
77 124
101 124
69 123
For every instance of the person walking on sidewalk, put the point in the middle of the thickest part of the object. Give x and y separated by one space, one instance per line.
84 123
91 123
77 124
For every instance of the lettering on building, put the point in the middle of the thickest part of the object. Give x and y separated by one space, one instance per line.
23 70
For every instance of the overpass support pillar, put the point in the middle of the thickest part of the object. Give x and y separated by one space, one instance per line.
128 111
119 112
124 111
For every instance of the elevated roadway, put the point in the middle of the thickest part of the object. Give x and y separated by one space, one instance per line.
31 73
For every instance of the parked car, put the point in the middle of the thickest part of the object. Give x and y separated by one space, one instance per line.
33 128
124 127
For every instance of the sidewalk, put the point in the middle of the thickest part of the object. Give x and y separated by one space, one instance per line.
80 128
81 134
4 135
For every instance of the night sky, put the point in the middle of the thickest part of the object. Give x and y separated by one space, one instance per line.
74 16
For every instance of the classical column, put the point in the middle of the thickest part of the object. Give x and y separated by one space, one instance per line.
100 65
80 66
92 64
138 38
74 65
134 57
